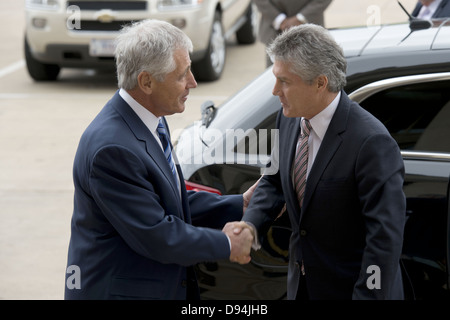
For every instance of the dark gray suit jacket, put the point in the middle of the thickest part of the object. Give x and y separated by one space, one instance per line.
354 208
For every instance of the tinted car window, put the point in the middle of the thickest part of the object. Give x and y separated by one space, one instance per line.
415 115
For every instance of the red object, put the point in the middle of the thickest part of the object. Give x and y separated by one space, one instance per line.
198 187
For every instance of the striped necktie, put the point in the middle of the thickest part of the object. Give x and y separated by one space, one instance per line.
163 136
301 160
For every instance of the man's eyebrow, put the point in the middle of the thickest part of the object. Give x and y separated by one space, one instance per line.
282 78
185 72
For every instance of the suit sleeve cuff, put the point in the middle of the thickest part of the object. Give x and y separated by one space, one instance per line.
256 245
278 20
300 17
229 241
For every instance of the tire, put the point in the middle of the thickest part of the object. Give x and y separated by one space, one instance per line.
37 70
211 66
248 33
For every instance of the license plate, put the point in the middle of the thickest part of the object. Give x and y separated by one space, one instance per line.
102 47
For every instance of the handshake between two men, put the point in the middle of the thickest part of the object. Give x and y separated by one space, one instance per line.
241 234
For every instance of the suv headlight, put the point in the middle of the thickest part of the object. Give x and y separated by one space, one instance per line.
42 4
173 4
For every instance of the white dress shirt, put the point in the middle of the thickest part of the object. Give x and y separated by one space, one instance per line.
282 16
149 119
426 12
319 124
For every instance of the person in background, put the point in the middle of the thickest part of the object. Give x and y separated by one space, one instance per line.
279 15
430 9
340 175
132 230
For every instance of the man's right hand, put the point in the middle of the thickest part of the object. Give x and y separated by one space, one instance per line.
241 237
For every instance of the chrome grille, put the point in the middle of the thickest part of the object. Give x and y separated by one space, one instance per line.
112 5
88 25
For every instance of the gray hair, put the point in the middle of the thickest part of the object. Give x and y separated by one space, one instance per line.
311 51
149 46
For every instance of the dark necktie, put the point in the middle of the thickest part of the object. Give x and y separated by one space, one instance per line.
301 161
163 136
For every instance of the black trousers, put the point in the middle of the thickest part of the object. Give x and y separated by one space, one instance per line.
302 292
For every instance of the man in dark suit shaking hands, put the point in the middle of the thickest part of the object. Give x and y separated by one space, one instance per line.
132 231
340 175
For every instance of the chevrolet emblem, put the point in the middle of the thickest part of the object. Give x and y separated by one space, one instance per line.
105 16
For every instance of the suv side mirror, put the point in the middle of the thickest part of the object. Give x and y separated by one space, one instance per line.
208 112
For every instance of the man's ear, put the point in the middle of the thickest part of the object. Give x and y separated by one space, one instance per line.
322 82
145 82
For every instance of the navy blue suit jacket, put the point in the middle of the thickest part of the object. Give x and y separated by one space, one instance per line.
443 11
353 212
131 233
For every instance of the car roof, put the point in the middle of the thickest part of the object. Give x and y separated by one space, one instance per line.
395 38
378 52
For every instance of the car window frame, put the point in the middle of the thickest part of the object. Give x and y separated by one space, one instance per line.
368 90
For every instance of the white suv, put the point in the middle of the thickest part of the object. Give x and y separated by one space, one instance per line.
80 34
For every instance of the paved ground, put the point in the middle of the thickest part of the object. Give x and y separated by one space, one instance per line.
40 124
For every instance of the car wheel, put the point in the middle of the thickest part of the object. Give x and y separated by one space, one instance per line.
211 66
37 70
248 33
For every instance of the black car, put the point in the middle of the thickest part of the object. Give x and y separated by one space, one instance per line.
401 74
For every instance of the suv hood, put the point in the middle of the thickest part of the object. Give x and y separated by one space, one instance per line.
396 38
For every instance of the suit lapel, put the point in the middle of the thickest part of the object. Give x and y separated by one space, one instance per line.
294 128
330 144
440 9
142 133
164 165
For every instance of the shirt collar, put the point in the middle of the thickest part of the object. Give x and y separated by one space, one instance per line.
431 9
148 118
434 5
321 121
